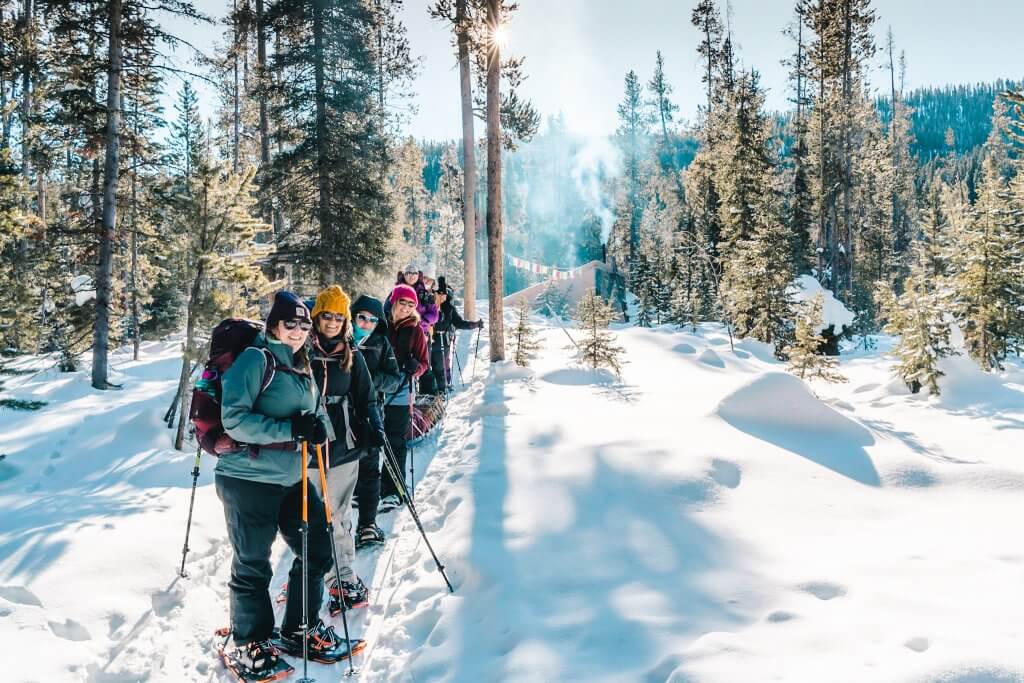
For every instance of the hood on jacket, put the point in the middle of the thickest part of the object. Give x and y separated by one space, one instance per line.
374 307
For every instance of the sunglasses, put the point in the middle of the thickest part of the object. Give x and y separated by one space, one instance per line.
372 319
331 317
303 325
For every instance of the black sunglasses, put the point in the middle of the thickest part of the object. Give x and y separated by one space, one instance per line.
372 319
303 325
330 317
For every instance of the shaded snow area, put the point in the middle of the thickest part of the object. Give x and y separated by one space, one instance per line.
707 518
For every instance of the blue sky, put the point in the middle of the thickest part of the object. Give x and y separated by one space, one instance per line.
577 51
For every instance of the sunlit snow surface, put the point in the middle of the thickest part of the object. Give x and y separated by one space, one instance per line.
707 518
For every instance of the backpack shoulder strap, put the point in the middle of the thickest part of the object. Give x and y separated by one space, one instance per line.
269 369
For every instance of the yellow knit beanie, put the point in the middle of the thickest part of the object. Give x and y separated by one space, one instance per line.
334 300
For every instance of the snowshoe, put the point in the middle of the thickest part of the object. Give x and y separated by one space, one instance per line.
257 662
389 503
356 595
324 645
369 536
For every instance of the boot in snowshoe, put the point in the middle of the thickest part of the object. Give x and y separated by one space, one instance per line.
257 662
356 595
324 645
389 503
368 536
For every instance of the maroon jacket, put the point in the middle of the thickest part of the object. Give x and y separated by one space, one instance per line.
409 341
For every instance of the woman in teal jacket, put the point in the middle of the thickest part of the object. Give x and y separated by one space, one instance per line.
261 488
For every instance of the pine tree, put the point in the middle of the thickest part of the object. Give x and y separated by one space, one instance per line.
332 174
985 270
524 338
631 137
551 301
805 357
597 346
918 318
224 277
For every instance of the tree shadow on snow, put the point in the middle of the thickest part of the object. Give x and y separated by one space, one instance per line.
592 600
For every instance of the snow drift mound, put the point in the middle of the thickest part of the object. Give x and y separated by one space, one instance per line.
780 409
781 400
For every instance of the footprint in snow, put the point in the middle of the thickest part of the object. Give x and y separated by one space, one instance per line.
709 357
725 473
779 616
823 590
917 644
69 630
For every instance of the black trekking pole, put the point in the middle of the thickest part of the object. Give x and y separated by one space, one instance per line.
472 375
334 553
458 364
412 449
391 464
304 531
191 503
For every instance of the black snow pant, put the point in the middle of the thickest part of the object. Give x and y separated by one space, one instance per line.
438 374
396 425
368 488
255 513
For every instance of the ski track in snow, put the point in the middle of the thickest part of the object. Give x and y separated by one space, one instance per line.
704 518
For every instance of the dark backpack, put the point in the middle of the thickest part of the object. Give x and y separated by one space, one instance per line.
229 339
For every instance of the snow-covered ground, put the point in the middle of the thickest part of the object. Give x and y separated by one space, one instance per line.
708 518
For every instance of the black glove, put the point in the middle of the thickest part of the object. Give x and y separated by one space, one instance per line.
479 324
377 438
310 428
411 366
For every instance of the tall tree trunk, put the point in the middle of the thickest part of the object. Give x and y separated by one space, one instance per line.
468 162
135 238
101 330
495 260
237 117
26 100
322 170
847 256
266 193
189 352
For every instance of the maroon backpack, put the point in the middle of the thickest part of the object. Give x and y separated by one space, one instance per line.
229 339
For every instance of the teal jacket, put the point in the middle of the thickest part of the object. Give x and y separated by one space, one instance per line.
265 419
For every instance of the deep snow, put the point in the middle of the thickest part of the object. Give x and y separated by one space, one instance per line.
705 518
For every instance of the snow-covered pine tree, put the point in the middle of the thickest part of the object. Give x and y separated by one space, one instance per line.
642 286
805 356
756 248
918 317
597 345
631 137
986 270
524 338
551 301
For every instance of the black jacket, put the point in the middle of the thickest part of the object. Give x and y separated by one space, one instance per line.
351 400
450 317
376 349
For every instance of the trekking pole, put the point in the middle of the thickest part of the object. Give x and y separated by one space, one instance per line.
458 364
412 449
304 530
472 375
188 525
391 464
334 553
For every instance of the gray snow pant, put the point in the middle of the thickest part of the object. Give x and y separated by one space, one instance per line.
341 481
